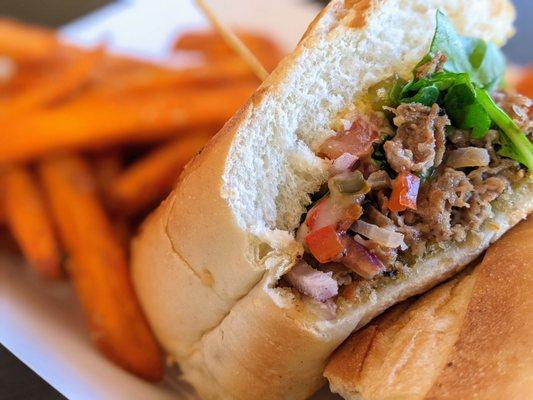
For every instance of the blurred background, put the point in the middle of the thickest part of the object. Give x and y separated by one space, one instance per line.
55 13
519 48
148 28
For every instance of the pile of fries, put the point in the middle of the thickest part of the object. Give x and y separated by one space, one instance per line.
90 143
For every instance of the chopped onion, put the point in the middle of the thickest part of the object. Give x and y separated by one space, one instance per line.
360 260
356 140
379 235
360 240
324 213
312 282
343 163
468 157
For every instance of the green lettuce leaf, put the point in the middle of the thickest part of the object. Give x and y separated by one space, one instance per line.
487 61
483 62
447 41
428 95
515 144
472 69
464 110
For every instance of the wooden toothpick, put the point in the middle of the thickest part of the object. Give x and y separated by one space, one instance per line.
233 41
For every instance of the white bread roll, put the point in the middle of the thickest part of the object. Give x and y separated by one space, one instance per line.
471 338
206 263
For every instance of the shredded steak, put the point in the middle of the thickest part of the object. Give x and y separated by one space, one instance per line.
451 189
518 107
454 198
436 64
420 141
486 189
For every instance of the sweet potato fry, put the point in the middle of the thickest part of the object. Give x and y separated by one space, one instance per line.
8 70
2 212
145 77
26 43
213 46
107 168
97 266
29 222
54 86
151 178
99 122
525 83
211 42
2 206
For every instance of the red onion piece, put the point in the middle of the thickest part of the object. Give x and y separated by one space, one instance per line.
360 260
312 282
344 163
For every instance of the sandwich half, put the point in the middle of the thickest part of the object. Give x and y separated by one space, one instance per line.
470 338
371 165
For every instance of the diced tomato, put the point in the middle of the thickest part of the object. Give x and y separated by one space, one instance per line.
404 192
326 212
314 213
325 244
343 163
356 140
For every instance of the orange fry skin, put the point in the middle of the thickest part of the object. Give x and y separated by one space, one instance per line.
27 43
54 86
107 167
147 77
102 121
29 221
214 46
525 84
98 269
152 177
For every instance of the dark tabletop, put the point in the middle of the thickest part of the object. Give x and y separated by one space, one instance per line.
18 381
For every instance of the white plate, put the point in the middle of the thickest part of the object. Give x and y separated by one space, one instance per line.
41 322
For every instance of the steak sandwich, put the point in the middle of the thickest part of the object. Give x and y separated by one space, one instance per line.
378 159
469 338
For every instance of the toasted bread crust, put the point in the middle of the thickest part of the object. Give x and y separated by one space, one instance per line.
470 338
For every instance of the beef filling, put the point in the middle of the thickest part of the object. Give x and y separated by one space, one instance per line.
419 143
418 169
397 186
